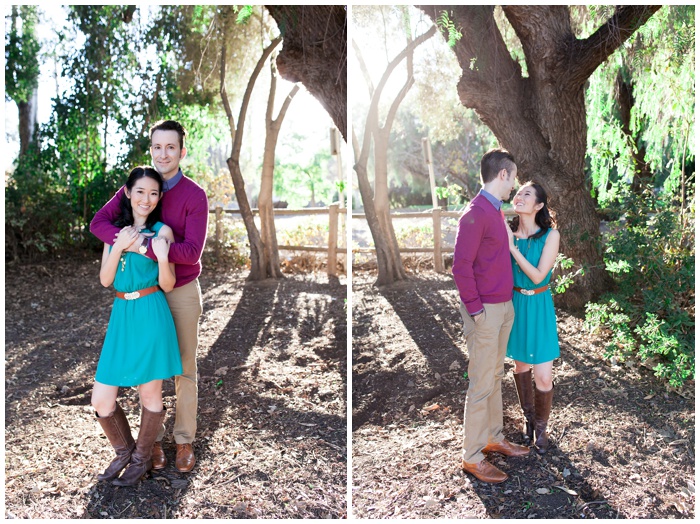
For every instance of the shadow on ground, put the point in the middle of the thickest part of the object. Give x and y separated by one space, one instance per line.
623 446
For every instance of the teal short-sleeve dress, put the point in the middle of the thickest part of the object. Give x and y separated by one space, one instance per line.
534 338
141 341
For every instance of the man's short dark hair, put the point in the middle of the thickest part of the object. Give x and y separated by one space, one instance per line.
169 125
493 162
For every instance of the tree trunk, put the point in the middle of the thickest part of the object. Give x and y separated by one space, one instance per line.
541 118
389 264
624 96
387 268
265 206
27 122
315 53
258 268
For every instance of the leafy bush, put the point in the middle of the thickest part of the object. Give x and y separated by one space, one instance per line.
39 215
308 234
234 248
650 313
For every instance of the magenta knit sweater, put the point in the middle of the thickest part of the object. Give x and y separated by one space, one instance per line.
481 266
186 210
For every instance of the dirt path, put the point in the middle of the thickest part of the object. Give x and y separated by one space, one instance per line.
271 441
625 448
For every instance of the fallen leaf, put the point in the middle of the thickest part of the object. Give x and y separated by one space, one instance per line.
566 490
565 473
542 491
432 408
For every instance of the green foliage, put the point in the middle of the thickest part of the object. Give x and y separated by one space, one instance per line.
564 279
657 65
412 235
651 256
233 252
39 217
309 234
22 54
308 184
444 23
453 193
244 14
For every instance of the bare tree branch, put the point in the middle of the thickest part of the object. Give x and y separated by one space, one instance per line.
589 53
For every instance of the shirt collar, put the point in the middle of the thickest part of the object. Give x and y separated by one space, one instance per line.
494 201
169 184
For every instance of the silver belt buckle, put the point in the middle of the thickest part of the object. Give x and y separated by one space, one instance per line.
527 292
132 296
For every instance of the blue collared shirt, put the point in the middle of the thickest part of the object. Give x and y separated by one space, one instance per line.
169 184
495 201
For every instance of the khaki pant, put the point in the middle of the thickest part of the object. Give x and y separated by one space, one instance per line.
186 307
487 341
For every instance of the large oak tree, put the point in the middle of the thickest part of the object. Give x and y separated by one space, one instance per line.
314 52
540 115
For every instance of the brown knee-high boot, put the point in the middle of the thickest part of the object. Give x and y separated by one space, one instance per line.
543 406
116 428
523 384
141 457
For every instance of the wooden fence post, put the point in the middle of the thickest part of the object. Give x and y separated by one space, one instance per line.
438 262
217 244
333 239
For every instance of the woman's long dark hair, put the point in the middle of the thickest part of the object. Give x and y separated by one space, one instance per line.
126 215
543 218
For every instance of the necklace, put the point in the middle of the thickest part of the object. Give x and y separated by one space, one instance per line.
122 259
524 251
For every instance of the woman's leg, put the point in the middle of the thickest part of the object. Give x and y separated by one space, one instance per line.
544 392
543 375
522 376
151 394
116 427
152 414
521 367
104 398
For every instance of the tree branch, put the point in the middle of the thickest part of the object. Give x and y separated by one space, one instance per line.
224 94
372 116
238 140
285 105
589 53
363 68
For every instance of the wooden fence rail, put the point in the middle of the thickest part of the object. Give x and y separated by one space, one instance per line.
331 249
437 214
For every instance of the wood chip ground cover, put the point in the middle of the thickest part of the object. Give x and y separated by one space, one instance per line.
625 447
271 441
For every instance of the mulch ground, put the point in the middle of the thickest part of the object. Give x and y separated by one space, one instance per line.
624 446
272 437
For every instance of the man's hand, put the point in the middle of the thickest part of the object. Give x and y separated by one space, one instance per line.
134 248
161 247
126 238
477 317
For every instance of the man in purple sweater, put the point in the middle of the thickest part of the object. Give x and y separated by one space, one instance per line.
484 278
185 209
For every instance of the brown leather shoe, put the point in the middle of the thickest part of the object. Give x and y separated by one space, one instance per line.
506 448
485 471
158 456
184 460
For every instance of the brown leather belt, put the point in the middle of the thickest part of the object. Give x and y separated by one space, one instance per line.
138 294
530 292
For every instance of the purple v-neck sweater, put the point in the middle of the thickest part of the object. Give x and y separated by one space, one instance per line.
184 208
481 267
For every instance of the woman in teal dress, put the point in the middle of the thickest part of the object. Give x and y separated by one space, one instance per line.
533 340
140 347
